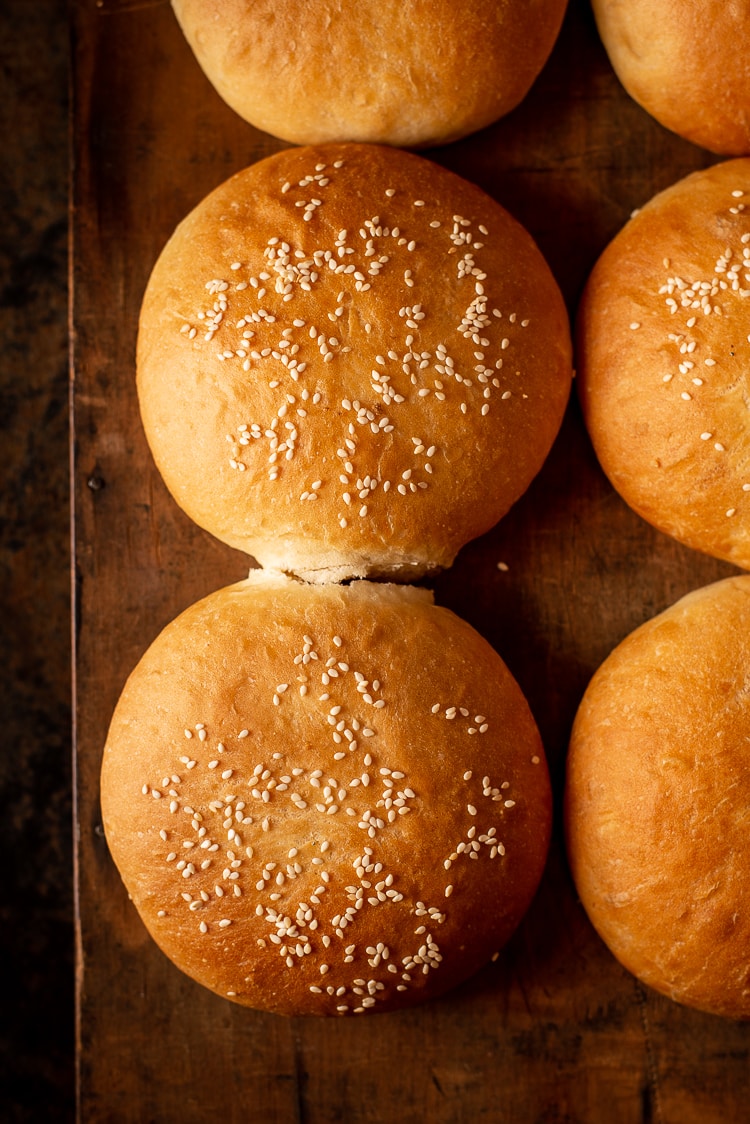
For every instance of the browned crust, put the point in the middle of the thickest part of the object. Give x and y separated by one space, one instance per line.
687 62
456 437
383 71
664 361
455 806
658 792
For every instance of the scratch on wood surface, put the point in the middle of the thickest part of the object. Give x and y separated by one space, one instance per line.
518 979
652 1098
116 7
154 523
299 1080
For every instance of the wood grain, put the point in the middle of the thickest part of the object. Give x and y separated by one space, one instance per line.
554 1030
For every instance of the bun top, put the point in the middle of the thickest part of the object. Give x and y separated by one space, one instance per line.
664 357
686 62
350 362
408 73
657 800
325 799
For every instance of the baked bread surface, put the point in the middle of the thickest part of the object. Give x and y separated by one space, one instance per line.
351 362
663 361
325 799
402 72
687 62
658 800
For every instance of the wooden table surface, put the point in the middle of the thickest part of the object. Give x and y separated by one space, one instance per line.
555 1030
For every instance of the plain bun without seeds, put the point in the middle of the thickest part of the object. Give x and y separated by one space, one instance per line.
402 72
325 799
351 362
663 360
687 62
658 800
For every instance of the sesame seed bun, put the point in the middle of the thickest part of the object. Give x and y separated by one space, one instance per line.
658 792
386 71
350 362
664 358
325 799
687 62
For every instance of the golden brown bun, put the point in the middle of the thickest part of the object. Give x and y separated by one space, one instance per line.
664 358
658 799
387 71
415 368
296 781
687 62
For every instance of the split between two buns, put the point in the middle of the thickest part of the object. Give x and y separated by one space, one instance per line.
325 798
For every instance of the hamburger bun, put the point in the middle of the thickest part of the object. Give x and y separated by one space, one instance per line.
409 73
325 799
687 62
350 362
664 359
658 800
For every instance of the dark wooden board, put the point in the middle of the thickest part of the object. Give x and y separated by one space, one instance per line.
555 1030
